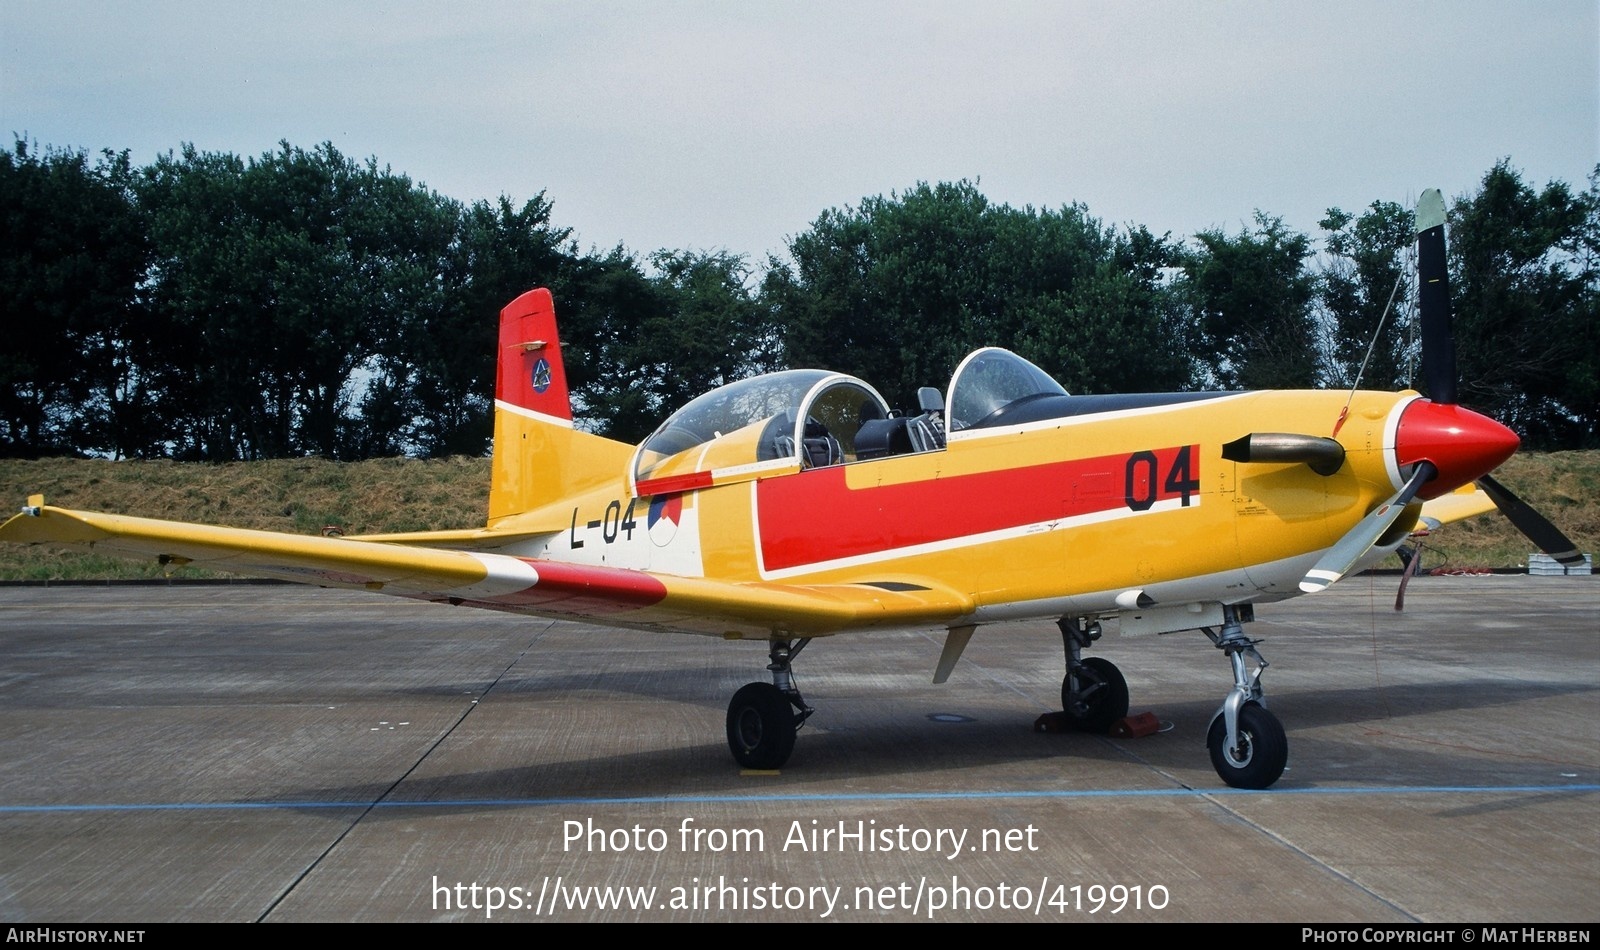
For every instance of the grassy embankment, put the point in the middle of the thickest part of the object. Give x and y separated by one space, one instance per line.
304 495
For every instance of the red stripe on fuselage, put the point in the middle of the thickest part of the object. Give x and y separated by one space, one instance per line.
813 516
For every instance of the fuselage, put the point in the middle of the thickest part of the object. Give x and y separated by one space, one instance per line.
1084 514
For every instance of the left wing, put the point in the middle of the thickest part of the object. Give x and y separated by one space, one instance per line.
611 595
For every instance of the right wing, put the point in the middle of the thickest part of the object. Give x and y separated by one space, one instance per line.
1463 503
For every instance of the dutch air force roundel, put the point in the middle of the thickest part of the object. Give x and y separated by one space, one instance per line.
662 523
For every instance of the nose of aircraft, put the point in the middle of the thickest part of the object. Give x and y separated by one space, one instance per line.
1460 443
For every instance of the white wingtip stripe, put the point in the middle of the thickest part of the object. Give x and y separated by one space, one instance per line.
505 575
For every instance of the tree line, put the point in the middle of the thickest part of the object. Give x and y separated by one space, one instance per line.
213 307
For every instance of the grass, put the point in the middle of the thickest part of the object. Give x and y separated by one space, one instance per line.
1562 486
384 495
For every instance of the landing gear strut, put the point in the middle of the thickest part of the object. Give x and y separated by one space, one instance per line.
1247 744
1093 693
763 717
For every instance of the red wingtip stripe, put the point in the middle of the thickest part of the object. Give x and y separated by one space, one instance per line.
588 591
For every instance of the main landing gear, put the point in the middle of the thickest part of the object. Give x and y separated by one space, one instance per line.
763 717
1248 747
1093 693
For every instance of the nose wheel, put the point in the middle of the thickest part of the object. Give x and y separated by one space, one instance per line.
764 717
1257 756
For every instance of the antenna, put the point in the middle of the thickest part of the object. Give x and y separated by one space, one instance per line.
1372 344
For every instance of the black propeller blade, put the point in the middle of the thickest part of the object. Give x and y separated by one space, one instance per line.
1544 535
1433 300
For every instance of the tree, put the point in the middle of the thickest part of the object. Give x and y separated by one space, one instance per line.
73 256
643 344
1581 391
1524 291
433 376
900 289
892 291
1119 328
1366 288
279 278
1251 297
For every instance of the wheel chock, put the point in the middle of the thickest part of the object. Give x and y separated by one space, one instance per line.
1054 722
1136 727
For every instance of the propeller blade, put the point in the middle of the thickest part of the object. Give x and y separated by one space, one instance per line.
1433 300
1544 535
1356 542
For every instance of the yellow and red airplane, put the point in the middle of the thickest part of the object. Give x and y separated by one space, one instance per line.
796 505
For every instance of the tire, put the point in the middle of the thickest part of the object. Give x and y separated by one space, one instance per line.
760 726
1107 700
1263 749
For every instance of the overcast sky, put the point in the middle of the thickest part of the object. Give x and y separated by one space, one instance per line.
700 125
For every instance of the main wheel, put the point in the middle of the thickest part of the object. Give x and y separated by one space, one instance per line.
1102 698
1262 753
760 726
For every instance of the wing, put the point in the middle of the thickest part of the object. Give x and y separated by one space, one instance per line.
615 596
1463 503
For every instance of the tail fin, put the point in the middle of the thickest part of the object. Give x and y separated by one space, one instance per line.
539 457
531 375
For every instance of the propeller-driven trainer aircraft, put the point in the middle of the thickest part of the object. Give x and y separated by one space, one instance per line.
797 505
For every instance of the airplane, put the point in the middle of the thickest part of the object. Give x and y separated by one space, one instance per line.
796 505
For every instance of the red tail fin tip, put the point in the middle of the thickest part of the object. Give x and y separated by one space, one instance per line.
531 376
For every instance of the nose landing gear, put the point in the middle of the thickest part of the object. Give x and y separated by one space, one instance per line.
1247 744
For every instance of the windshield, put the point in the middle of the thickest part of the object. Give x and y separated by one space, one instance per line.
991 379
725 409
